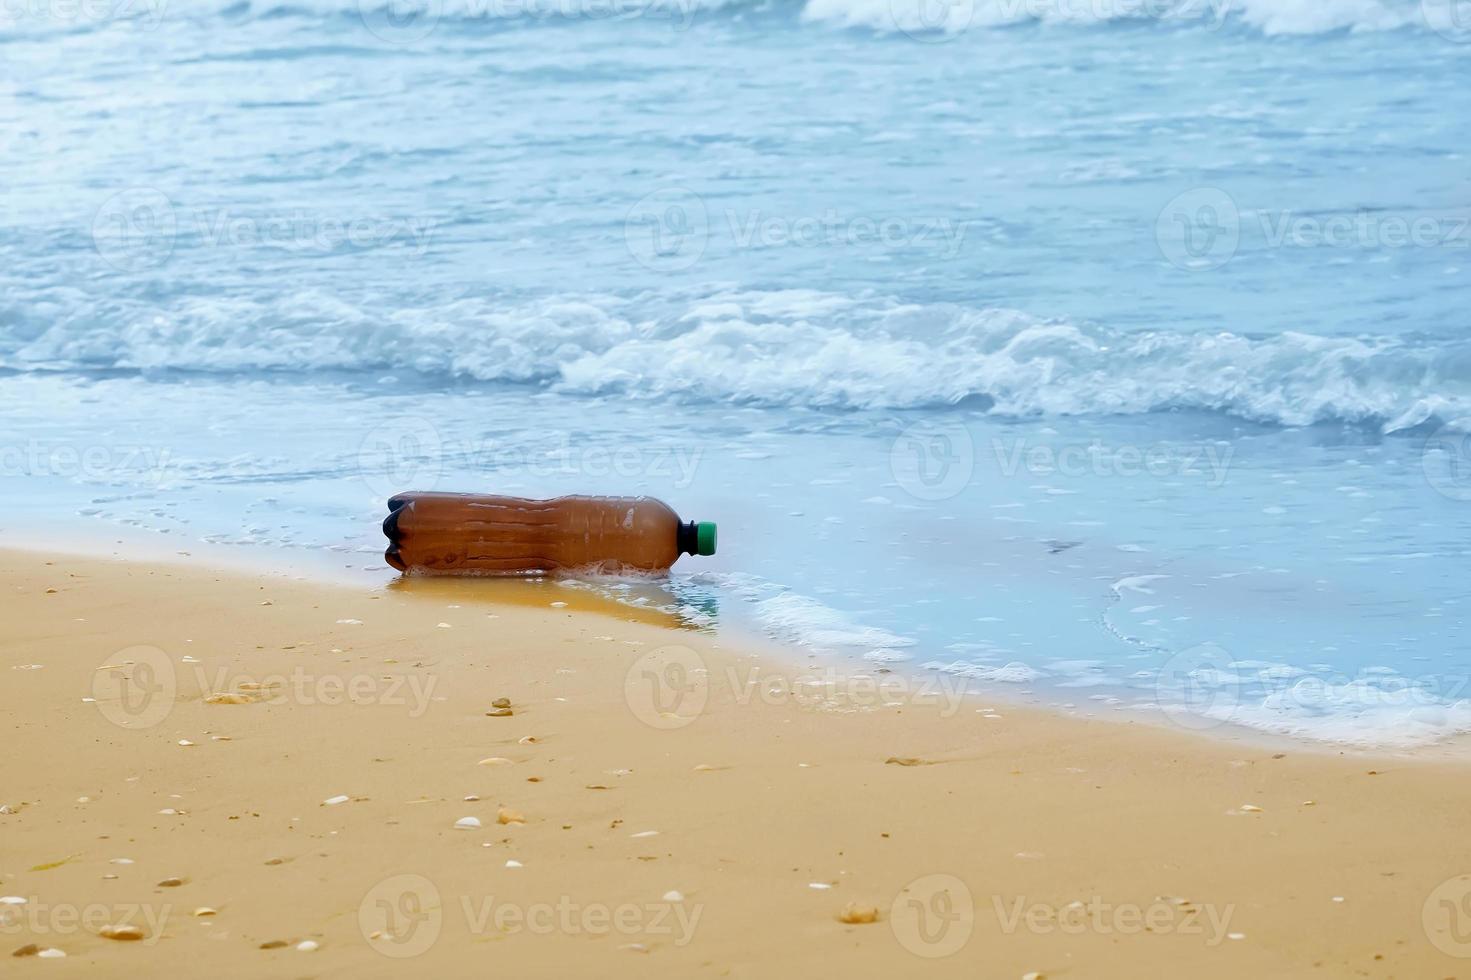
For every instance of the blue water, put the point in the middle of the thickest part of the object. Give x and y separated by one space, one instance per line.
1110 350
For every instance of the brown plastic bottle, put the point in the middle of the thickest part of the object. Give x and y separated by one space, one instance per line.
468 534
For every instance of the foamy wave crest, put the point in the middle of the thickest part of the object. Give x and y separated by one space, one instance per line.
802 621
399 19
1271 17
788 348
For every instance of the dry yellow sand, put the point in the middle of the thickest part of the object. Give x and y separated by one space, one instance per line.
675 822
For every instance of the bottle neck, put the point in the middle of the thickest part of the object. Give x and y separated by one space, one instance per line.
687 539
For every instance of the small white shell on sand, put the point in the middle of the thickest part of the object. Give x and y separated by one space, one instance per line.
205 911
443 626
334 800
1248 808
674 896
349 622
185 742
645 833
12 900
307 945
820 886
513 863
467 823
559 605
51 953
494 760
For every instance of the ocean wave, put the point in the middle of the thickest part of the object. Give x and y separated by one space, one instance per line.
794 348
409 19
1270 17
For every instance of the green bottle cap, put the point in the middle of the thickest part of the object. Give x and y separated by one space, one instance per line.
705 538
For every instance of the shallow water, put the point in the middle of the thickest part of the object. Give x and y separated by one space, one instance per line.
1068 347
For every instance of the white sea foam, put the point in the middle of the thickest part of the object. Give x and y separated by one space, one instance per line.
781 348
415 17
1271 17
792 618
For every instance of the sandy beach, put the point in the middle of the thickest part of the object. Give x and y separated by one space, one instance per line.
241 775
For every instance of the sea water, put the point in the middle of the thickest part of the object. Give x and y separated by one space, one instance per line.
1114 351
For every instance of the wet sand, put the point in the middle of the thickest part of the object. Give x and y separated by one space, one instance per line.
290 761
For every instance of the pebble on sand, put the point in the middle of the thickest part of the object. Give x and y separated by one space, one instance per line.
499 713
171 882
501 703
856 913
121 933
506 815
468 823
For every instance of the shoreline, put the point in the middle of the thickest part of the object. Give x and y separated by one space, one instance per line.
297 757
133 547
